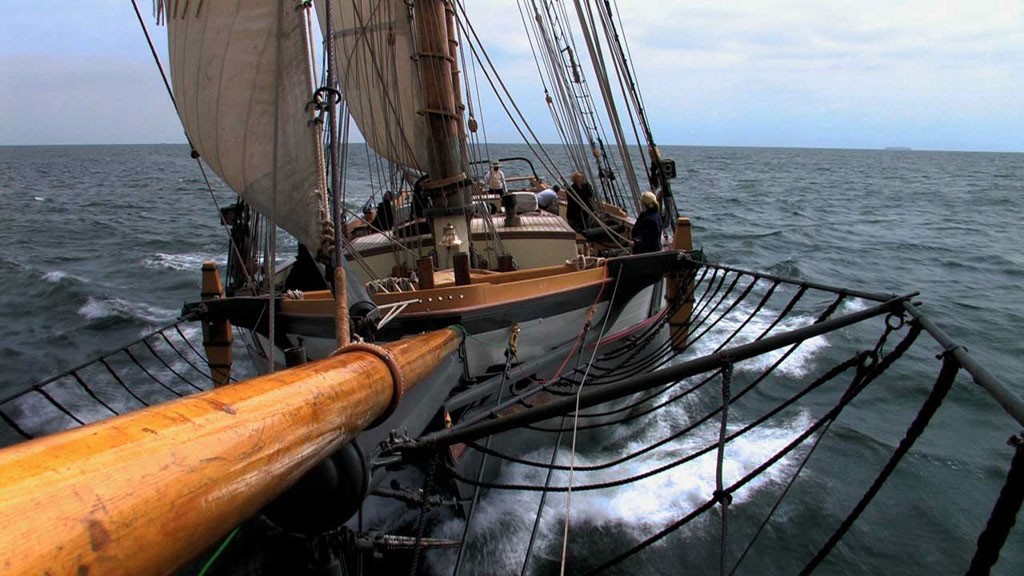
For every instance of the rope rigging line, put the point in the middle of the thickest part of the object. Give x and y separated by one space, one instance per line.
704 419
195 154
734 319
575 423
862 370
533 143
160 365
856 386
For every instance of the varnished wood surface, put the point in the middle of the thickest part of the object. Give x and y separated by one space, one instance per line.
145 492
485 290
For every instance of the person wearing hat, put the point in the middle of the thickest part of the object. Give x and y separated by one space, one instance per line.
647 229
496 179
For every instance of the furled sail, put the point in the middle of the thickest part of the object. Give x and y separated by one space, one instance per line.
242 84
374 45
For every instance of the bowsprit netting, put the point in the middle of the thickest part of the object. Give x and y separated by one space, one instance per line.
757 353
162 365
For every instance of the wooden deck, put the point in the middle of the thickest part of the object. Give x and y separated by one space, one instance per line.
532 226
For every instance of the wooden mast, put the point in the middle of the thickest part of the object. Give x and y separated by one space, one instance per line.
145 492
448 184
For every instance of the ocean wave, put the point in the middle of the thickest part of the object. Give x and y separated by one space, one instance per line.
113 307
798 363
186 261
788 268
12 263
636 510
61 277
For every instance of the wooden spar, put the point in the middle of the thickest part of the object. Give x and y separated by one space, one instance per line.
676 287
145 492
217 335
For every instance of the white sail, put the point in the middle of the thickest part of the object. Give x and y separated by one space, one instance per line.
374 49
242 84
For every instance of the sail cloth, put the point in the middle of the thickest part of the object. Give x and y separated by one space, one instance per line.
242 83
375 53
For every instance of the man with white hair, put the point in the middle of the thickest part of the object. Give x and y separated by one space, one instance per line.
647 229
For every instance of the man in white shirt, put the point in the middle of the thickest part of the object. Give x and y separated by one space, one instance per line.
496 179
547 199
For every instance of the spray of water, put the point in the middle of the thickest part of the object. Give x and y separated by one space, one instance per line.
503 521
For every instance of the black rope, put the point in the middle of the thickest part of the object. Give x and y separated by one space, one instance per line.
727 492
509 354
152 377
14 425
943 383
56 404
637 414
1004 516
121 382
684 459
856 387
858 378
543 500
156 58
91 393
723 498
168 366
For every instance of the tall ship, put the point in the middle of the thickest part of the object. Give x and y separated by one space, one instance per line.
345 404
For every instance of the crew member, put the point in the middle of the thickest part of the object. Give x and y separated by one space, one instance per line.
647 230
496 179
581 194
547 199
385 218
420 198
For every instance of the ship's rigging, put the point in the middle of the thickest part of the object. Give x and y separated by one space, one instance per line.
736 365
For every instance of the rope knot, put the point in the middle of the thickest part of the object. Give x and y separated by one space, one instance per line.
723 496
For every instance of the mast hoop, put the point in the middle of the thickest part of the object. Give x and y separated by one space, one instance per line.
459 178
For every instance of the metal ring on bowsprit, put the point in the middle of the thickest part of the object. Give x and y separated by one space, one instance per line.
894 321
397 379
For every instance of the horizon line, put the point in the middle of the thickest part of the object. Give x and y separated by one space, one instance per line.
769 147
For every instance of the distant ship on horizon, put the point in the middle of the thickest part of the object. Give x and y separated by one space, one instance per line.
898 148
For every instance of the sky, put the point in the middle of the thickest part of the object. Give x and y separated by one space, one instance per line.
926 74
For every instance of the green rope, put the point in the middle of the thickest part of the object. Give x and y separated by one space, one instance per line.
216 554
466 334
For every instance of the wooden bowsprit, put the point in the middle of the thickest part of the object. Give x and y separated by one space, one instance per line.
144 492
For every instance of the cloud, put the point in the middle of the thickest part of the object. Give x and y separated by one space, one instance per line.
928 74
942 74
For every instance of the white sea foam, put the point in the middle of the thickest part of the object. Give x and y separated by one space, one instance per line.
187 261
58 276
796 364
95 309
55 276
638 509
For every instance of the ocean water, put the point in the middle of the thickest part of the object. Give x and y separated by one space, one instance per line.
100 243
